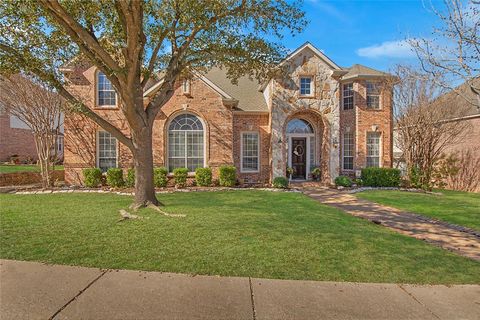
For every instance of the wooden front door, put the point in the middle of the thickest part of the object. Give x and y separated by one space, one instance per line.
299 158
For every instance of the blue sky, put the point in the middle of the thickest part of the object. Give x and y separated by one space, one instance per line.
369 32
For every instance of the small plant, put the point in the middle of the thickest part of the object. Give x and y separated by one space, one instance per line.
115 177
316 173
160 178
343 181
130 180
92 177
203 177
290 171
381 177
280 183
227 176
180 175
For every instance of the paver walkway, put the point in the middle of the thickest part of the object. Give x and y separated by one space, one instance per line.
435 232
30 290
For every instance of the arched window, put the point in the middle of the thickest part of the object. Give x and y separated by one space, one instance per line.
186 143
105 92
299 126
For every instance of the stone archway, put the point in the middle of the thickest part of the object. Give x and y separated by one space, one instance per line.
317 142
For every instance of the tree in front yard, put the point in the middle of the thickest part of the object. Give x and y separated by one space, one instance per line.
130 40
423 123
452 54
41 110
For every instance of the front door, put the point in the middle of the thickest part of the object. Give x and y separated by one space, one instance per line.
299 158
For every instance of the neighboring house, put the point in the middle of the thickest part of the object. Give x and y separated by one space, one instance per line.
315 115
465 108
16 139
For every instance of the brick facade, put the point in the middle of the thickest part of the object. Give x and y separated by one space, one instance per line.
360 120
224 123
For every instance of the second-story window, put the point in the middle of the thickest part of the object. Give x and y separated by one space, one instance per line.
347 94
373 95
306 86
105 91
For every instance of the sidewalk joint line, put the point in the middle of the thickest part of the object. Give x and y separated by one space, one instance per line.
77 295
418 301
254 312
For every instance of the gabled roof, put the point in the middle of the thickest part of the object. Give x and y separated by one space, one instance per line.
245 91
244 94
319 53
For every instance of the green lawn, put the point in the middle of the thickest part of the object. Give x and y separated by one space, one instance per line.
232 233
462 208
9 168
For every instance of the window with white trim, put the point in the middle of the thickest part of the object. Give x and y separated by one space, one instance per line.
186 143
250 152
347 94
106 95
107 151
373 95
348 151
373 149
306 86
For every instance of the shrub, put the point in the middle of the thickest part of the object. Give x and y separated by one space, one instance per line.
227 176
160 178
381 177
115 177
203 176
180 175
92 177
316 173
280 182
130 180
343 181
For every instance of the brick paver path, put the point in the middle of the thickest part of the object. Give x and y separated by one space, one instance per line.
432 231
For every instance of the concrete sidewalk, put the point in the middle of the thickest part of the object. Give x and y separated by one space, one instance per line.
30 290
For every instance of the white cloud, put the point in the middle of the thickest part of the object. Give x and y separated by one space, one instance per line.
388 49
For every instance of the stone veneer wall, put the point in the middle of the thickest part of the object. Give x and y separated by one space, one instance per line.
286 102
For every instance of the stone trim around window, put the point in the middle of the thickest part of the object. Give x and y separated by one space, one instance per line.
306 84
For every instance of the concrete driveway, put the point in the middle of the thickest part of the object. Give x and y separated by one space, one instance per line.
30 290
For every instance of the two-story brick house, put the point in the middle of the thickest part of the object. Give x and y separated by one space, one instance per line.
315 114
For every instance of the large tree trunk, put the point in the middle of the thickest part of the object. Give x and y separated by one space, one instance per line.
143 160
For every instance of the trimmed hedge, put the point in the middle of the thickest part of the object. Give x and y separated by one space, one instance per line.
203 177
381 177
343 181
115 177
180 175
92 177
130 179
280 183
227 176
160 178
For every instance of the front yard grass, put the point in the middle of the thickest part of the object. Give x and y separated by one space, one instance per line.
231 233
11 168
462 208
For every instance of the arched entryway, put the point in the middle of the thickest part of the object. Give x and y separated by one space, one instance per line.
301 147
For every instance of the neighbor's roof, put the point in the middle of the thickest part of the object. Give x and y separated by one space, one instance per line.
250 99
462 98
